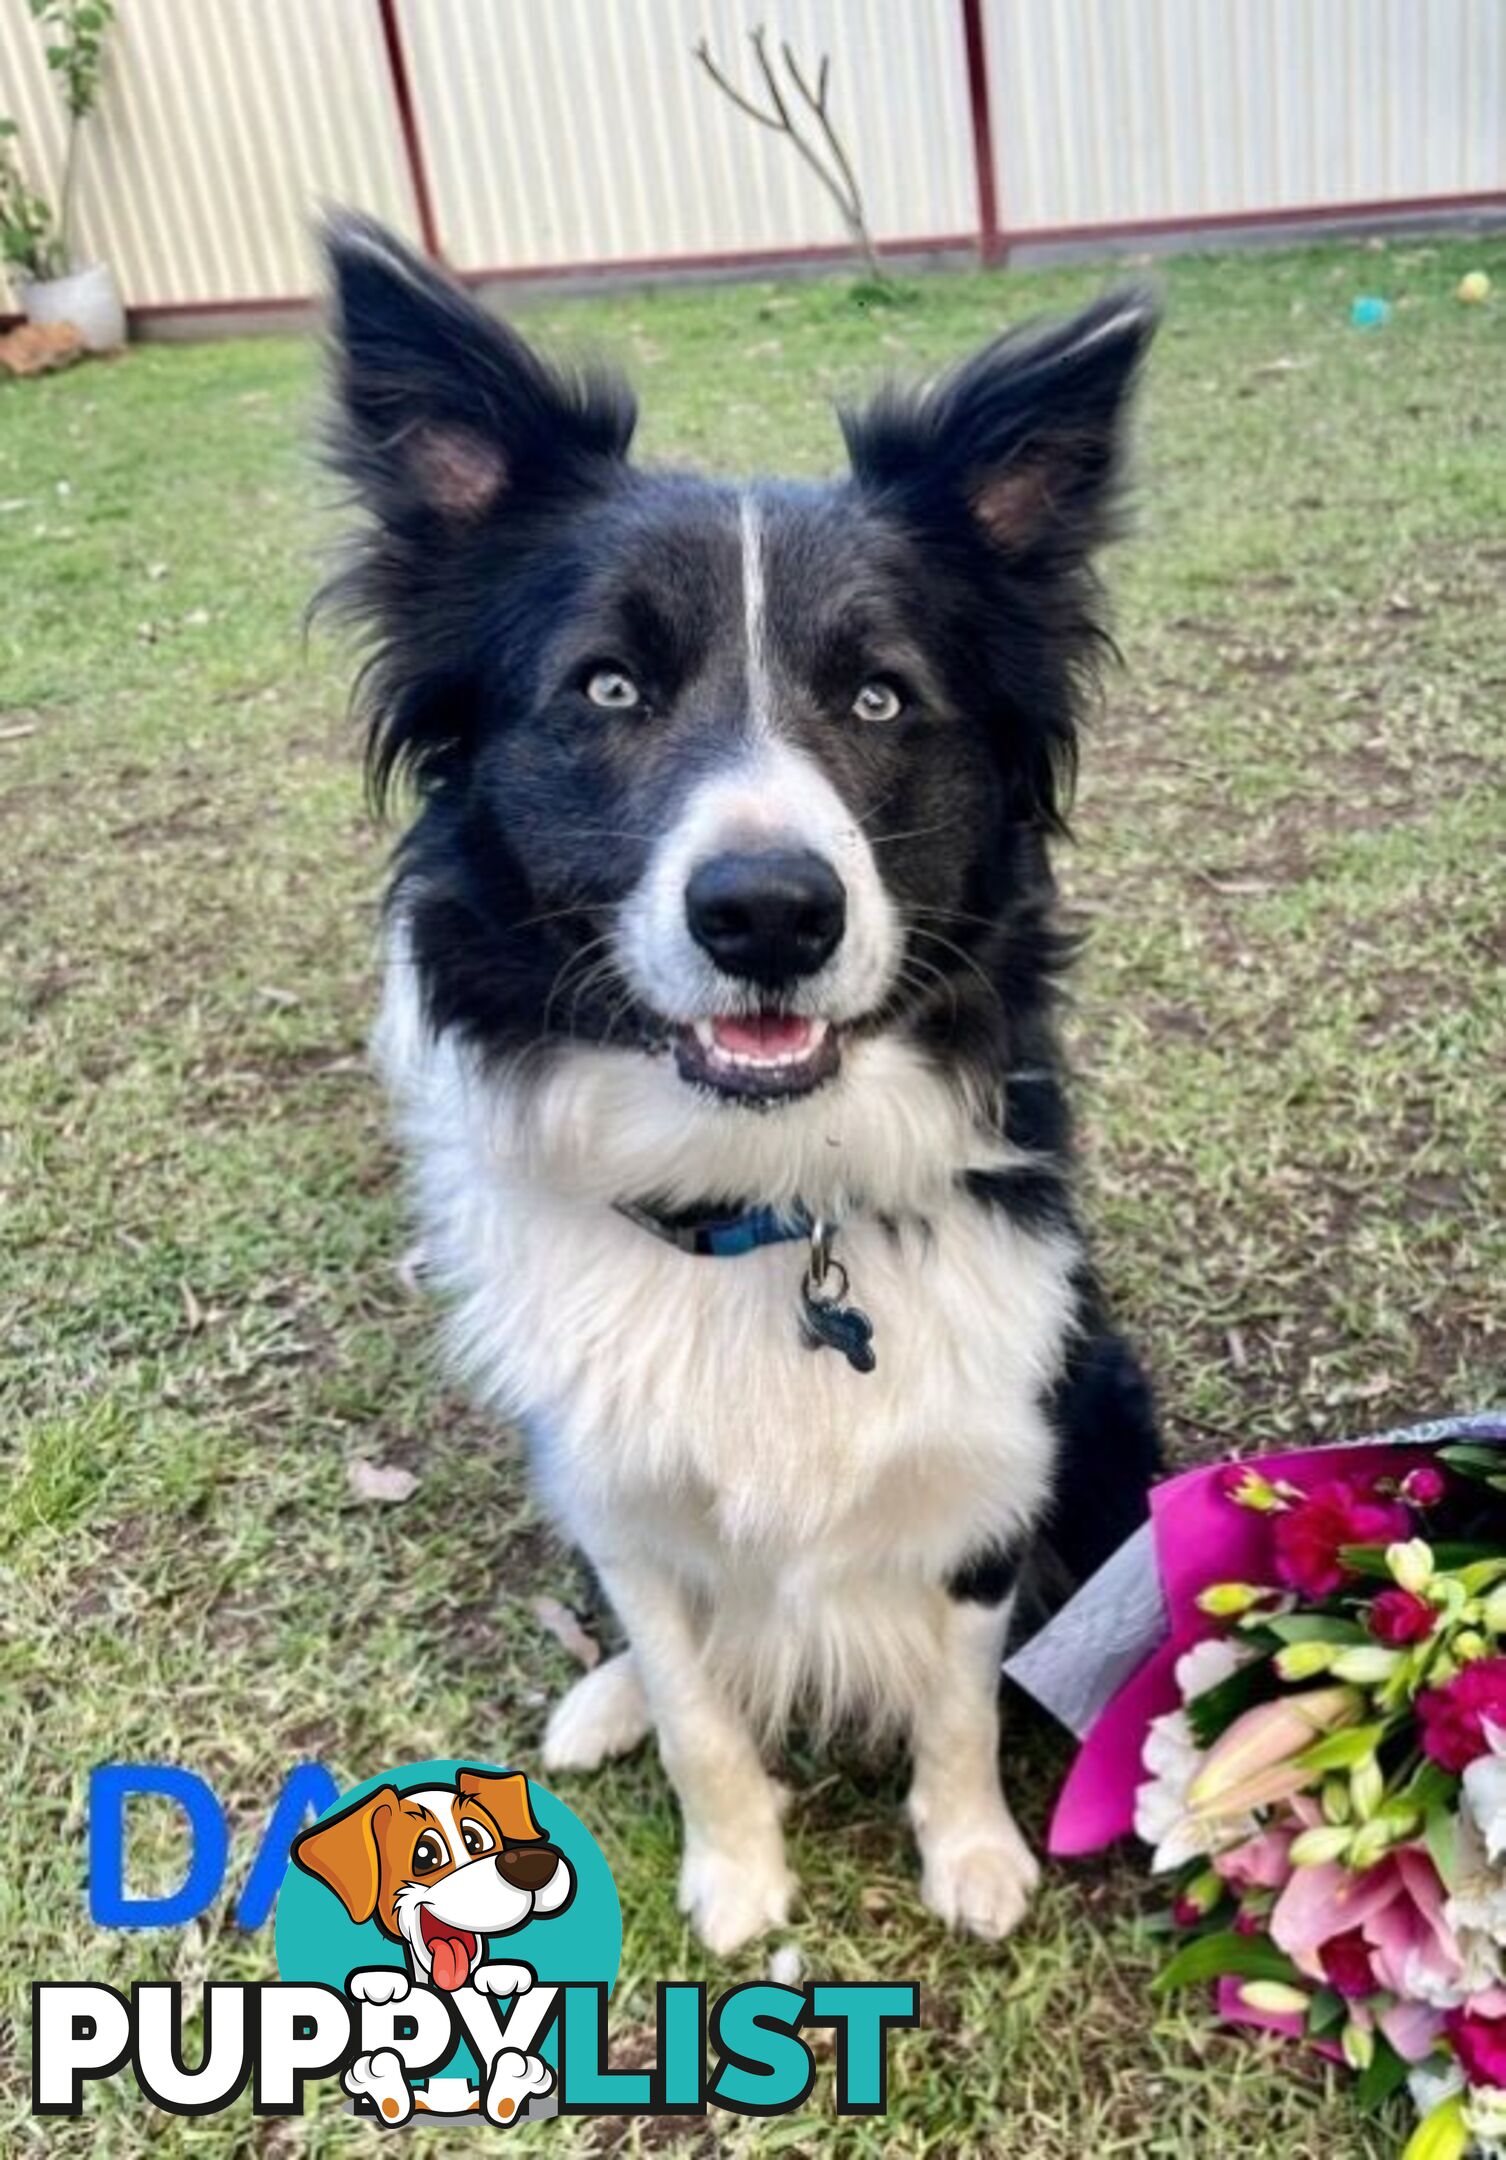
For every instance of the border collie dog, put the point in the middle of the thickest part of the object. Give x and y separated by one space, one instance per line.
720 1016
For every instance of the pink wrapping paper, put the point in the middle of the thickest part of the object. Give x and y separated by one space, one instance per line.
1199 1538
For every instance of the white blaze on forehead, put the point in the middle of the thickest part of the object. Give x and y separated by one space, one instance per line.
760 694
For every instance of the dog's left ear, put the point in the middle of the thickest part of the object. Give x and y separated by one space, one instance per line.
447 415
505 1800
343 1852
1024 439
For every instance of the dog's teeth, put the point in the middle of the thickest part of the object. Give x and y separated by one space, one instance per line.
705 1035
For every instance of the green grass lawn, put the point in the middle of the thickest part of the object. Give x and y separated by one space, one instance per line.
1289 1024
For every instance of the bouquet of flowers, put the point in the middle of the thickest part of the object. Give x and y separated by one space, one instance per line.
1315 1752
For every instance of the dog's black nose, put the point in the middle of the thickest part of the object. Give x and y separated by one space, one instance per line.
768 917
527 1867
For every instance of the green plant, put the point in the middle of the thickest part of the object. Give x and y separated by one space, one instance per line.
28 242
75 31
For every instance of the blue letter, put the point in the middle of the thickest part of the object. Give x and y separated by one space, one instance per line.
587 2086
310 1789
765 2068
862 2014
682 2045
110 1786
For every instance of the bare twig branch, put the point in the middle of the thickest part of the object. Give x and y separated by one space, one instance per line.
817 101
833 169
730 90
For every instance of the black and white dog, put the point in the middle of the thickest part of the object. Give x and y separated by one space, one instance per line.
720 1015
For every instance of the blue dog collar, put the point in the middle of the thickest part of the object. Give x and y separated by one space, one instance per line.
827 1321
722 1237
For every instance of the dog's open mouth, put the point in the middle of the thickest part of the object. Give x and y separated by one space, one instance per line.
760 1056
453 1951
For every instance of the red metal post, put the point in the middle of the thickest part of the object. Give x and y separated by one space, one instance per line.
407 120
991 243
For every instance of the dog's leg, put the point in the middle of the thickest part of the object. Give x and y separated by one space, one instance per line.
733 1879
977 1872
603 1715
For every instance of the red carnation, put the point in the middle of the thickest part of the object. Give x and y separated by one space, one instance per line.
1399 1617
1453 1718
1346 1965
1308 1538
1480 2044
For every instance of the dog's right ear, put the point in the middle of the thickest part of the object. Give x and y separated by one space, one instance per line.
342 1852
446 416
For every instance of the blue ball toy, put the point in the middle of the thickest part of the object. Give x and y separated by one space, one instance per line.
1369 312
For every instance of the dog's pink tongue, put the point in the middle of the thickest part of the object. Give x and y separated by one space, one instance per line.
452 1961
768 1035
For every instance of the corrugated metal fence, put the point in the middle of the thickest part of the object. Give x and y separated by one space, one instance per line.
536 136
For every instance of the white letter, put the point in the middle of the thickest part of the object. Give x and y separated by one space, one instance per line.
160 2070
78 2031
285 2056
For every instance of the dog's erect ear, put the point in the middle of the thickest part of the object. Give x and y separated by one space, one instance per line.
446 413
505 1800
343 1852
1024 438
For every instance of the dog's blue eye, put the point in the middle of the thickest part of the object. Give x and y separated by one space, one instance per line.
877 701
610 688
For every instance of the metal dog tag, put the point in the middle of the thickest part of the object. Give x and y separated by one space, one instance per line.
827 1322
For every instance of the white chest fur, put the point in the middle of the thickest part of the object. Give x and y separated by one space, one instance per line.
670 1400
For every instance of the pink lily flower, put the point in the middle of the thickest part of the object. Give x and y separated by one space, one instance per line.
1397 1906
1252 1764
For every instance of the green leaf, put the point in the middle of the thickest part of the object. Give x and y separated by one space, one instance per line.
1342 1750
1319 1627
1385 2073
1433 1786
1470 1455
1251 1957
1370 1560
1441 1832
1328 2013
1215 1710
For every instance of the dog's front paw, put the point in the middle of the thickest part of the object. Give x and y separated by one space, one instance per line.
379 2079
379 1984
978 1880
733 1893
513 2080
502 1979
603 1715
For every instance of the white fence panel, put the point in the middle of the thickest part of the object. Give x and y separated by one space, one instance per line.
1107 113
583 131
222 125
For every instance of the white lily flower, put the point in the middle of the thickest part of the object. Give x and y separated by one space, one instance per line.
1485 1793
1475 1909
1163 1819
1485 2119
1433 2081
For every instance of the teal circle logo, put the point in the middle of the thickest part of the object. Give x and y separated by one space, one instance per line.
436 1895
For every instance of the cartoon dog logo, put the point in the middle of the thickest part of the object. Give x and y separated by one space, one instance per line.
441 1869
